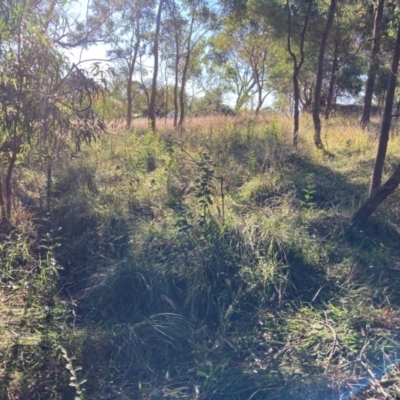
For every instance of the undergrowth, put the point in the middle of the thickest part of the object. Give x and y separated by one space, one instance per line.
212 263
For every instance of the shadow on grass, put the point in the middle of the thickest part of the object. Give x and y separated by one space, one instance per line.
328 188
170 299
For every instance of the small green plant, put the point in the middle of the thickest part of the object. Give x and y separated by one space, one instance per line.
251 161
272 131
204 186
308 192
183 223
209 372
150 147
74 381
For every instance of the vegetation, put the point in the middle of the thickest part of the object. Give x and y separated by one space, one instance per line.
231 253
217 263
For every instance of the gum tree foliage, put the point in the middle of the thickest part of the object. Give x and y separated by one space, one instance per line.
185 28
127 34
45 102
374 62
290 22
243 55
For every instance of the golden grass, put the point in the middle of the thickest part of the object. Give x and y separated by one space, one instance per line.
142 191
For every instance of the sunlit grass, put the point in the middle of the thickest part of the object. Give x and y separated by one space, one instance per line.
215 254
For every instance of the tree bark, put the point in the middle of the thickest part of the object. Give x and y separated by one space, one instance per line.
129 99
2 202
131 69
297 67
332 80
387 118
7 184
296 102
377 197
152 105
260 74
184 75
374 64
319 77
176 106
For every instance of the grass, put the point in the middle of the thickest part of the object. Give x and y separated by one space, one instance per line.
211 263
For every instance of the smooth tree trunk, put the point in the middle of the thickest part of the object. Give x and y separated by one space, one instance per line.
306 101
166 94
243 96
378 197
5 182
332 80
129 98
131 69
386 119
259 77
184 74
374 64
176 85
379 193
8 188
2 202
320 76
152 103
297 64
296 106
182 96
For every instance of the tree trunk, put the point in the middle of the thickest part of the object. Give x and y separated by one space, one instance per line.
176 90
184 75
130 77
166 96
387 118
296 111
152 105
319 77
129 98
377 197
374 64
332 80
2 202
297 66
7 184
182 99
306 103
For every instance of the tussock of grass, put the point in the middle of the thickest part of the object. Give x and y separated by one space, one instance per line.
213 263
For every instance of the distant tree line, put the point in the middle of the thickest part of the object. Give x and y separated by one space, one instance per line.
183 58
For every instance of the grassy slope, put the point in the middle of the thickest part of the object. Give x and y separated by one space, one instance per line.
179 284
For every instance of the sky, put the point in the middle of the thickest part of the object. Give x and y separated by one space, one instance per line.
96 52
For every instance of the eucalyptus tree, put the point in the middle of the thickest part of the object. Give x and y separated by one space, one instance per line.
297 9
387 115
244 54
345 56
155 53
126 34
232 69
173 47
374 62
187 24
378 191
320 72
45 102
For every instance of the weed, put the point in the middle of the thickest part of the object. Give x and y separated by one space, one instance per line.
74 380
